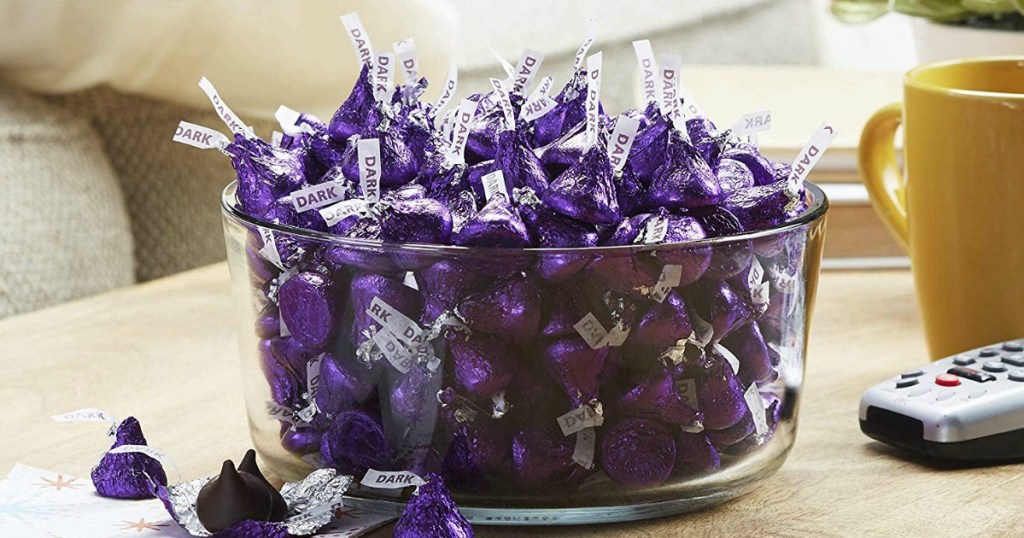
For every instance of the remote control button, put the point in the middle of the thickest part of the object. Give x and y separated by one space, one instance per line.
919 391
988 353
971 373
904 383
915 373
963 360
947 380
1017 375
994 366
1013 347
1017 359
977 394
945 395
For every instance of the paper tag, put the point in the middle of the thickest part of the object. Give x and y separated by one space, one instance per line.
703 332
339 212
543 89
317 196
499 404
592 331
581 53
593 96
503 102
405 54
687 389
529 65
398 323
729 357
383 76
285 331
448 90
669 90
753 122
655 230
313 375
226 114
585 416
583 453
269 250
809 156
616 337
143 449
89 414
390 479
622 141
671 276
648 70
279 412
276 139
461 129
537 107
394 351
756 405
756 274
761 294
507 67
494 183
689 107
200 137
784 282
368 151
360 39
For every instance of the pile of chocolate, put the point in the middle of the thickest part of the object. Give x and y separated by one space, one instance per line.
497 367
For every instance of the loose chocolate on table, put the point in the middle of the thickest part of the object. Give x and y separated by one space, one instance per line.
234 497
128 475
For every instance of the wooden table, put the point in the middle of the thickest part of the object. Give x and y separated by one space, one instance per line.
166 352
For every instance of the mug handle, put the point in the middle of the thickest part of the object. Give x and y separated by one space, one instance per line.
880 173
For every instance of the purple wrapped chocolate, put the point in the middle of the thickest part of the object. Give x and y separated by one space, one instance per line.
540 454
354 443
510 307
129 475
585 191
637 452
432 512
309 309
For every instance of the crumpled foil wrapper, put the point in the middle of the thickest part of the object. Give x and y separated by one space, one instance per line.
311 502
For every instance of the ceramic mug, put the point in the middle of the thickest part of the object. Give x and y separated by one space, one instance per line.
958 207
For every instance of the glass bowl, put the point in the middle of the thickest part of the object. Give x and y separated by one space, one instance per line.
546 386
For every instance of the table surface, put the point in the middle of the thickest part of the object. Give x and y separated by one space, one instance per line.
166 352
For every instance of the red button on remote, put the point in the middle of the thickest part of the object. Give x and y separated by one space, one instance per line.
947 380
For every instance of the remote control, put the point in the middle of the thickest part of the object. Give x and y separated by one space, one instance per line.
968 407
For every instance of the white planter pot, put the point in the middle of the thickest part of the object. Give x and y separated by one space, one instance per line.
940 42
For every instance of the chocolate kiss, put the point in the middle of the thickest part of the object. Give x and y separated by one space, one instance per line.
231 498
684 180
248 465
511 308
585 191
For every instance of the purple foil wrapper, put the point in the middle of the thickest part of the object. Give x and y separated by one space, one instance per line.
576 367
720 395
415 221
637 452
541 453
760 167
657 398
354 443
568 113
660 327
519 164
365 287
129 475
432 512
510 308
722 306
308 307
695 454
684 180
496 225
585 191
482 363
749 346
350 118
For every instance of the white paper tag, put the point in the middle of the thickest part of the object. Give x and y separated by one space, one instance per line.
687 389
341 211
529 65
383 76
285 331
398 323
585 416
313 375
729 357
277 411
703 331
200 137
648 70
756 274
499 405
689 107
360 39
537 107
583 453
756 405
460 131
368 151
592 331
494 183
593 97
655 230
503 102
269 250
543 89
227 115
809 156
622 141
405 54
752 123
616 336
144 449
394 351
317 196
581 53
390 479
276 138
505 66
448 90
761 294
784 282
671 276
669 97
89 414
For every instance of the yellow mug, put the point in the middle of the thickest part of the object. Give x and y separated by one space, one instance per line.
958 209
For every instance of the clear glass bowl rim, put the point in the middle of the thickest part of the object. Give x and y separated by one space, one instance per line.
819 205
